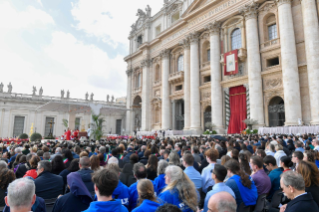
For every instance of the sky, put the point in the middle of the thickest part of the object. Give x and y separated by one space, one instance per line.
75 45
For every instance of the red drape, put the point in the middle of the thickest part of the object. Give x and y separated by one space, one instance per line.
238 109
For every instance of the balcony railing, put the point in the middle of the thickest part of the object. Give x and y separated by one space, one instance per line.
205 64
270 43
176 77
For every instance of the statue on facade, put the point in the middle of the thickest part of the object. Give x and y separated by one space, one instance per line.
87 96
34 90
166 1
148 11
40 91
91 97
107 98
1 87
9 88
68 94
140 13
137 121
112 100
62 94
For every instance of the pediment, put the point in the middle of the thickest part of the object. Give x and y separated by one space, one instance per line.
196 4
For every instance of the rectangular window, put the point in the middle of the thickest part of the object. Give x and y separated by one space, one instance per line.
77 123
272 32
206 79
18 126
47 125
158 30
208 55
273 62
178 88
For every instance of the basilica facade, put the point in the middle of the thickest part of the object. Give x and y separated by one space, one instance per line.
200 63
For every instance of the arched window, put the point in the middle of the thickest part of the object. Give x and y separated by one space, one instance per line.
180 63
236 39
272 27
138 80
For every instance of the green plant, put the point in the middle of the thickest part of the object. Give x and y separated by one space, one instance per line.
255 131
248 131
65 123
23 136
97 127
206 132
36 137
214 132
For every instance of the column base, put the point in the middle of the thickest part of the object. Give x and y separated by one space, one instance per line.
293 123
219 129
315 122
196 130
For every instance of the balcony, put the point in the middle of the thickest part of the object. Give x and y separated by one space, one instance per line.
157 83
176 77
270 43
242 55
205 65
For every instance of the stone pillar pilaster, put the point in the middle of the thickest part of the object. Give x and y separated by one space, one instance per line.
185 43
289 63
166 107
146 102
128 121
215 76
254 64
194 83
311 32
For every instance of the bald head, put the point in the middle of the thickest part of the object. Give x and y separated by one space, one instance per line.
222 202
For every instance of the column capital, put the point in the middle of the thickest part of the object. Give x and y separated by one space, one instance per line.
280 2
213 27
193 37
146 63
165 53
129 72
249 10
185 43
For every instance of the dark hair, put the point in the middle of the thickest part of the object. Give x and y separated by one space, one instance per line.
95 162
152 163
258 161
244 163
261 152
233 166
46 165
23 159
287 161
298 155
74 165
6 177
220 172
134 158
309 172
139 171
57 164
269 159
168 208
34 161
106 181
234 154
40 153
310 155
188 159
67 154
115 152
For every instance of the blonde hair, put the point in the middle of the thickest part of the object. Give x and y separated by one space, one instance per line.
185 187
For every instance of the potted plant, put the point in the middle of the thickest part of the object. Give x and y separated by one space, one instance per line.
97 127
250 123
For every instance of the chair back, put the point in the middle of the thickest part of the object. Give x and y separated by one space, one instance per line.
276 199
49 204
243 208
261 203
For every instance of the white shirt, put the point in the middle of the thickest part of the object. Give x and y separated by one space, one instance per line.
278 155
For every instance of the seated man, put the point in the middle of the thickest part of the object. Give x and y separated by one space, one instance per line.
21 195
48 185
222 201
105 181
259 176
86 172
274 175
219 173
190 171
211 157
293 186
139 172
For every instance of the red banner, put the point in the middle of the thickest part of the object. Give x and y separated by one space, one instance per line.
231 63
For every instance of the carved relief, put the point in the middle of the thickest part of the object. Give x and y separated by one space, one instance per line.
249 10
213 27
273 83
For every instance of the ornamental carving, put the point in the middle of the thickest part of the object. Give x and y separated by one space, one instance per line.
206 95
249 10
165 53
273 83
267 6
185 43
213 27
280 2
193 37
146 63
269 95
129 72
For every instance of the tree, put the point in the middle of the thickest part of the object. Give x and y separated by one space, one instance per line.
97 127
65 123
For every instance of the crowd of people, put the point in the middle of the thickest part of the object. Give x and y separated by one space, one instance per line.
235 173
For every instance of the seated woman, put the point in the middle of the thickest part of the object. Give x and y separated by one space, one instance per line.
78 199
159 182
310 174
6 177
286 163
147 201
57 165
33 167
151 167
241 183
180 190
74 166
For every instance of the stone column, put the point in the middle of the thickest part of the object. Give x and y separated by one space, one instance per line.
166 107
215 72
289 64
311 32
146 103
254 64
185 43
194 83
173 115
128 121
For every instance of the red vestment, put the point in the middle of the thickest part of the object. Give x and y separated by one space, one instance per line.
68 135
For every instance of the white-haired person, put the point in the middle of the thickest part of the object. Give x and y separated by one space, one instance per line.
21 195
180 190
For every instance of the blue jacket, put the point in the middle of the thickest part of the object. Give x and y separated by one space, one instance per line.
86 175
38 206
48 185
274 176
109 206
172 197
159 183
122 193
133 196
242 193
147 206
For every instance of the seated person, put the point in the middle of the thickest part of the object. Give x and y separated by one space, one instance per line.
121 192
86 172
139 172
274 174
259 176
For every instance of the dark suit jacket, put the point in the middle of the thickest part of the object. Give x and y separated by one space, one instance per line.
48 185
86 175
302 203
